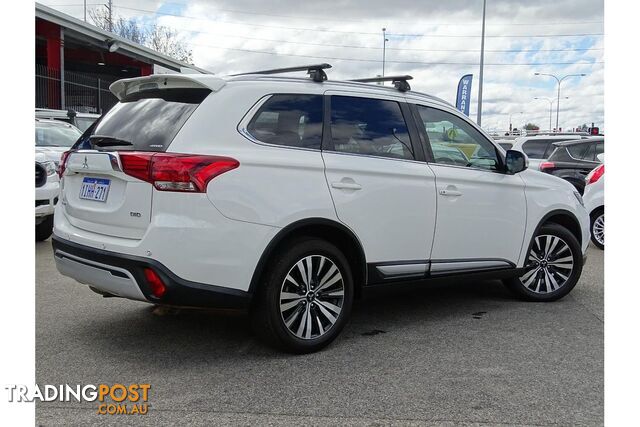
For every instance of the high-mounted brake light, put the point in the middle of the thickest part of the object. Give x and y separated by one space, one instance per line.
595 175
176 172
63 163
547 165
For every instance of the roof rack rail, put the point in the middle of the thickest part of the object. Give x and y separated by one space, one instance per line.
315 71
399 82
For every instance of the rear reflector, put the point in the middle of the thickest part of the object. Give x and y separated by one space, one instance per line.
595 175
155 283
176 172
547 165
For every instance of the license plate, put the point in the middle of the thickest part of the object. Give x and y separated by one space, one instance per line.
95 189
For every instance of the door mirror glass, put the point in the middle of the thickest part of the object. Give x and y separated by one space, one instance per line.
516 161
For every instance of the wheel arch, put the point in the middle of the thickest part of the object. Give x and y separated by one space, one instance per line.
564 218
326 229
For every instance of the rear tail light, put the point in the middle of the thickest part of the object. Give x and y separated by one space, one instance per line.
547 165
595 175
176 172
158 288
63 163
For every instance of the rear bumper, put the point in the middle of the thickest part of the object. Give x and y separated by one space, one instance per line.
123 276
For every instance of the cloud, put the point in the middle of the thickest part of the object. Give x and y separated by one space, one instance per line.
226 37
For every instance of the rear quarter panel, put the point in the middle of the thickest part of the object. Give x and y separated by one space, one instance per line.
273 185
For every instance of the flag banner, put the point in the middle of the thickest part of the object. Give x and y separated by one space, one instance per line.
464 94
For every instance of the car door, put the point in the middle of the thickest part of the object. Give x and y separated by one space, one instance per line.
381 187
481 216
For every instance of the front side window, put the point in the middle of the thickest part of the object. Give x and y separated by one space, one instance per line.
455 142
289 120
369 126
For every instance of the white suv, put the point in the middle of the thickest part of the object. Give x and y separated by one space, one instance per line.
289 197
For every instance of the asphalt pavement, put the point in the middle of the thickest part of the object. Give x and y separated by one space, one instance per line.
464 353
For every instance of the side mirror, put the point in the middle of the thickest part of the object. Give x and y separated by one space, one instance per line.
516 161
600 157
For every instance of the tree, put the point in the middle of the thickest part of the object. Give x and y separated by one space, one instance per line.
157 37
531 126
164 39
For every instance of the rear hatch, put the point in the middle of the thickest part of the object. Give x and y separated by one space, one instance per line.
104 190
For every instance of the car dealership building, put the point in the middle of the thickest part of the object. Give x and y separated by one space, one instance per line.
77 61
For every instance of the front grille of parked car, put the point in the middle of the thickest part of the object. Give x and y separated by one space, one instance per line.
41 202
41 175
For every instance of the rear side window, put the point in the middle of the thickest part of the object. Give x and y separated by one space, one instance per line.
147 120
368 126
289 120
577 151
537 148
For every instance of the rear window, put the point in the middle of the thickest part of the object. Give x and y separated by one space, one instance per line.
148 120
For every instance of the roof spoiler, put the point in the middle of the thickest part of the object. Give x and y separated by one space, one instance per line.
126 87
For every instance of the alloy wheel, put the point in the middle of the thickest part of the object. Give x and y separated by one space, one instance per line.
311 297
598 229
549 265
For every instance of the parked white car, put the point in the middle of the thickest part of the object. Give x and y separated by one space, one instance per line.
80 120
594 202
52 139
290 197
47 191
538 148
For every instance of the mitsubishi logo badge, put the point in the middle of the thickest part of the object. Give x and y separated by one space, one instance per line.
85 165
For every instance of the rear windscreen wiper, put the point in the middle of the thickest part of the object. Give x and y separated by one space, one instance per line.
108 141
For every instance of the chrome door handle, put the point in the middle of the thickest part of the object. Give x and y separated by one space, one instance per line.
451 193
346 185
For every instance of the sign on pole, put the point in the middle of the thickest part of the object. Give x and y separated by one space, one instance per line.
464 94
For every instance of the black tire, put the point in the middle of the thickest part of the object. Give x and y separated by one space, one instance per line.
595 215
542 288
267 319
44 229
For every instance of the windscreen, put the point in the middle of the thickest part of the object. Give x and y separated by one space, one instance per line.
147 120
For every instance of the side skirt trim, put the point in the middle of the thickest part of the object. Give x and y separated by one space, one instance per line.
395 271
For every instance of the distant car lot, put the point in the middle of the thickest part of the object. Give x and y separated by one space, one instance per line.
458 353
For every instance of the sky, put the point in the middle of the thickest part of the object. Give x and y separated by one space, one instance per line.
435 41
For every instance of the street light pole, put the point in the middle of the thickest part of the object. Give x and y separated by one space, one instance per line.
550 101
559 80
384 48
484 14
